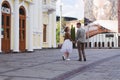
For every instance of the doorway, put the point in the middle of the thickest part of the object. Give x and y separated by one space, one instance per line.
6 27
22 29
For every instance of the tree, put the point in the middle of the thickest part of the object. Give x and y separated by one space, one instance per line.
58 32
63 24
73 34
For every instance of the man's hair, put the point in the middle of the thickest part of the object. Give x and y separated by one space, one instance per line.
79 23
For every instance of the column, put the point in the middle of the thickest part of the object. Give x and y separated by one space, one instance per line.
0 28
30 29
49 29
54 27
16 26
41 23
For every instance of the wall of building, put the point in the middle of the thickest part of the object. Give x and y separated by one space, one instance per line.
103 39
49 19
35 18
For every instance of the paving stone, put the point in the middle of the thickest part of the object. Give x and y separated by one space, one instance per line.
101 64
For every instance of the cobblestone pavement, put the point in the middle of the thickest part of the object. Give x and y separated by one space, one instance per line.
47 64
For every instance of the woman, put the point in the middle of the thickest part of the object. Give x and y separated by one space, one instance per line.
67 45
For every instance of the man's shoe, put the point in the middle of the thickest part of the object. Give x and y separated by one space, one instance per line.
79 59
84 59
68 59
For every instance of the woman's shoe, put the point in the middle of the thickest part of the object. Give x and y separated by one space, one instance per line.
63 58
68 59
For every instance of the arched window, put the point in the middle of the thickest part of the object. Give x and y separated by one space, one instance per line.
22 11
6 8
22 28
6 26
5 5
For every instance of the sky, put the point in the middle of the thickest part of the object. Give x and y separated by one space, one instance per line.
71 8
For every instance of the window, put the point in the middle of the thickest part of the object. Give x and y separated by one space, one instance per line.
95 44
23 35
5 5
19 22
2 20
103 44
90 44
44 32
8 20
112 44
99 44
8 33
22 12
108 44
23 23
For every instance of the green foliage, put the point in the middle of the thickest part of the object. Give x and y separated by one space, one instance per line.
58 32
63 24
73 33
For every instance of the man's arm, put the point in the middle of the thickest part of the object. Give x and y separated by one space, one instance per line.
77 35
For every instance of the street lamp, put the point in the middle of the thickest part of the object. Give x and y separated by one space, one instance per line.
60 18
88 36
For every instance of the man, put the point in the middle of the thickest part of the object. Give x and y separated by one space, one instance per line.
81 37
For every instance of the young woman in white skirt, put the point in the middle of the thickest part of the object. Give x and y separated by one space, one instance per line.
67 46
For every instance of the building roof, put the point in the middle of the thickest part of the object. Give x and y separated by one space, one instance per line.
66 18
108 24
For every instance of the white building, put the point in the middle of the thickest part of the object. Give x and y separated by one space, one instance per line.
103 34
103 40
27 25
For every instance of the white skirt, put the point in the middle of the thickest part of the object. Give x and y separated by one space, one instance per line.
67 46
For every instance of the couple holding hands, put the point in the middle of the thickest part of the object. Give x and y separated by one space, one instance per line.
67 46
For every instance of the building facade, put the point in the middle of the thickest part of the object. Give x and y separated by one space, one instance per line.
27 25
97 35
104 13
103 40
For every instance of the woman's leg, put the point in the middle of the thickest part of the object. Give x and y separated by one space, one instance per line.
67 55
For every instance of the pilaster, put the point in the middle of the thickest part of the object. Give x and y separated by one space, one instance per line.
30 29
16 26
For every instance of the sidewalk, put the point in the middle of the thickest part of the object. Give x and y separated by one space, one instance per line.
48 65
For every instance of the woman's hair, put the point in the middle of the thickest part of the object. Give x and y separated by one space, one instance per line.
66 29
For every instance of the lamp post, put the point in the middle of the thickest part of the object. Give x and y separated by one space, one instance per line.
60 18
88 36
